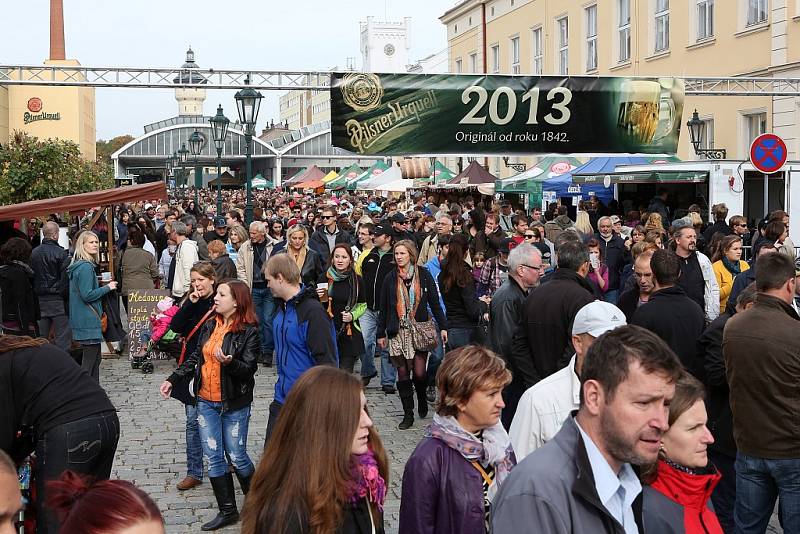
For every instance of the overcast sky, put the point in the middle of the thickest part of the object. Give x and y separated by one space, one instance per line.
247 34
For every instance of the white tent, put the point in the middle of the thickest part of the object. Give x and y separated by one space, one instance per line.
390 175
396 186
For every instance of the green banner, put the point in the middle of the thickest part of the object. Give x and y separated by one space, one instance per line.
478 114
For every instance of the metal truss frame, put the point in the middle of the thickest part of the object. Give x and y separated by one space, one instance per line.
81 76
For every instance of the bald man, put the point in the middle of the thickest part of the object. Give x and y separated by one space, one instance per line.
10 496
49 262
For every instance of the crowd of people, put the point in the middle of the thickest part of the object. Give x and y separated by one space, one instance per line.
619 372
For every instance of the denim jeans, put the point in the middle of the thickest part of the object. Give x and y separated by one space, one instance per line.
224 432
759 482
194 448
265 310
724 495
86 446
612 296
435 359
459 337
369 328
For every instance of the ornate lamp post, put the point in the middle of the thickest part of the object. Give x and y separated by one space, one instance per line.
219 130
248 100
697 130
195 146
183 155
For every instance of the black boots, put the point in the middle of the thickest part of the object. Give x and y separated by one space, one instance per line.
226 500
244 482
421 384
406 390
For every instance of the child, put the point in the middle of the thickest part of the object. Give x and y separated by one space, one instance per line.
477 264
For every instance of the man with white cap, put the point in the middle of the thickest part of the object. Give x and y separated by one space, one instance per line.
545 406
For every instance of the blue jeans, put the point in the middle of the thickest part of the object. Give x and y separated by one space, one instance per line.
759 482
612 296
459 337
194 449
224 432
369 330
435 359
265 310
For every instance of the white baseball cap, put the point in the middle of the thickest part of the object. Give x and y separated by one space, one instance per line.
597 318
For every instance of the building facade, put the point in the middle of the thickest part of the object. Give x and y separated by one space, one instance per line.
690 38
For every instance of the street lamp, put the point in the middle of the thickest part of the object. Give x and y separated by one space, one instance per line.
219 131
195 146
697 130
248 100
183 155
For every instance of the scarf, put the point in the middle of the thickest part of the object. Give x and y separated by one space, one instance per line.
495 448
366 480
734 267
407 297
298 257
337 276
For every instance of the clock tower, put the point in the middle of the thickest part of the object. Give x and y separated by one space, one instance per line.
385 45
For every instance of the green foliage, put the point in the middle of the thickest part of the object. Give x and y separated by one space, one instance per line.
106 148
34 169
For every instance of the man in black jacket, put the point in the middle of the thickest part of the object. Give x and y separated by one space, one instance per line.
543 343
615 256
670 313
328 235
524 269
720 212
639 294
710 368
378 263
49 262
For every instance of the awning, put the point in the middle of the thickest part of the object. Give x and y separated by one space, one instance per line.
84 201
655 177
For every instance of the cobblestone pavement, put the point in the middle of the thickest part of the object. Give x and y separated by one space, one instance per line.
151 449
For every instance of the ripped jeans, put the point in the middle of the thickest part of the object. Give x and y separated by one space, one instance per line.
224 432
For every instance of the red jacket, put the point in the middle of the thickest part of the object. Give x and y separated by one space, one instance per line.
675 493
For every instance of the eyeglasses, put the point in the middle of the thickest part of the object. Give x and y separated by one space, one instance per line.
324 217
534 267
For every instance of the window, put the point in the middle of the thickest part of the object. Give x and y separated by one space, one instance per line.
563 45
459 70
496 58
492 14
515 55
591 38
754 125
473 62
708 136
662 25
756 11
624 30
705 19
538 52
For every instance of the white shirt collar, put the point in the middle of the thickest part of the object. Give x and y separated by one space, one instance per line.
576 382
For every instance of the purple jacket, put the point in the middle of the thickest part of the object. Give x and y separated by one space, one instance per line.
442 492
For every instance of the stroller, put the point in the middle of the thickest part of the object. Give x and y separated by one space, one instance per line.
161 338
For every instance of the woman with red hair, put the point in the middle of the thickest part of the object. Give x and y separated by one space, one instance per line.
223 366
86 506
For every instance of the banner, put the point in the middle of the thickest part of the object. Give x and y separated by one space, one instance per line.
397 114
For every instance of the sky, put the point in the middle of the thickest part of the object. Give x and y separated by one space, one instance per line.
233 34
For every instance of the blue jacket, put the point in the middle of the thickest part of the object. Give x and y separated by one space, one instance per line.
435 267
304 337
84 292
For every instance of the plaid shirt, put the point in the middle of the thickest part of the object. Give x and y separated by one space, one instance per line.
491 278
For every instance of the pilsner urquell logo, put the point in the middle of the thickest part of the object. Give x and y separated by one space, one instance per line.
363 93
35 106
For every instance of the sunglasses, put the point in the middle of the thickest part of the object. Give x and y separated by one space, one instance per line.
529 236
324 217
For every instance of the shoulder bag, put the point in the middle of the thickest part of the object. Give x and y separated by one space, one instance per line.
183 388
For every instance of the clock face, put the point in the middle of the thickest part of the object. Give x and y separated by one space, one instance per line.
388 49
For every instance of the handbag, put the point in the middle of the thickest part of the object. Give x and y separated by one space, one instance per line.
183 387
103 318
423 335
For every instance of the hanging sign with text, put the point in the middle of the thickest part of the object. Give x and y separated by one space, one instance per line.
491 114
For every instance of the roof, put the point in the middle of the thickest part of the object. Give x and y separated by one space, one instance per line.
84 201
312 173
474 174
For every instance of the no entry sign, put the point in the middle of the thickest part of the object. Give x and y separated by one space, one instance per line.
768 153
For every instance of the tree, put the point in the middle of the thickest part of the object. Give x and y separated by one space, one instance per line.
106 148
35 169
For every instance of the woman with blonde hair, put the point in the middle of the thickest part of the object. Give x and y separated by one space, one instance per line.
85 300
466 454
324 469
584 225
727 262
654 223
408 292
236 236
307 259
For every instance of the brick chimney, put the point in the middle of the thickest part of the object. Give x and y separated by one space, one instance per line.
57 49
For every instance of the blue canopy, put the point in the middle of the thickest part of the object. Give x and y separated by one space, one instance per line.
563 187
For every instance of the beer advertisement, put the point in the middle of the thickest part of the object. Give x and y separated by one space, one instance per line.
397 114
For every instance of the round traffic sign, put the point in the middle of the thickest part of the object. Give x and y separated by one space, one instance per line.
768 153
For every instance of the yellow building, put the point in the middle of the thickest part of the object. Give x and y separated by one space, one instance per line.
303 107
690 38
